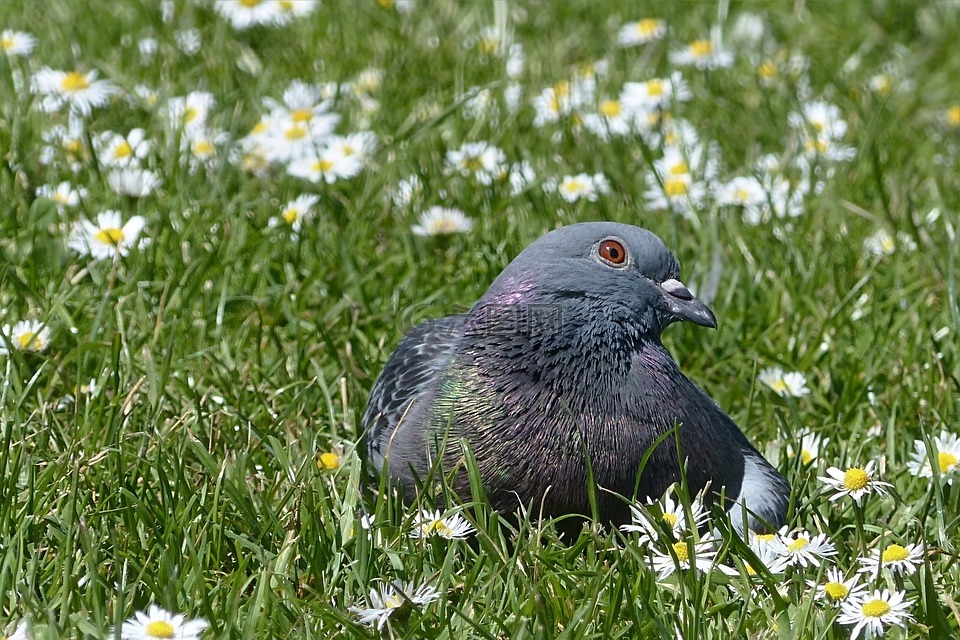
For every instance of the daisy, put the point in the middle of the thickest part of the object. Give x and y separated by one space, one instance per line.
243 14
564 99
658 93
440 221
159 623
190 113
745 192
306 104
671 516
947 455
581 186
328 167
189 41
836 590
359 144
953 116
26 335
478 160
611 118
406 190
874 611
819 120
108 238
427 524
702 54
68 142
880 243
792 384
287 9
115 150
522 175
855 482
762 545
699 556
809 449
21 632
200 148
384 602
136 183
641 32
296 211
64 194
897 558
802 549
81 91
16 43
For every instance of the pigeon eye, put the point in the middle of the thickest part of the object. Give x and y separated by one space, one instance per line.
612 252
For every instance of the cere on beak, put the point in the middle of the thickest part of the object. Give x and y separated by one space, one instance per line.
684 306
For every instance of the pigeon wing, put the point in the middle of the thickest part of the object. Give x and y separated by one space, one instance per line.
411 370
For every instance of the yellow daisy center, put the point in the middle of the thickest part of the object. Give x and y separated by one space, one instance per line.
30 340
72 146
392 602
202 148
7 43
295 133
472 164
855 479
647 27
610 108
680 548
675 188
947 461
123 150
562 89
74 81
875 608
742 195
443 226
286 5
301 115
894 553
250 4
328 460
679 169
437 526
322 165
766 537
61 198
806 456
835 590
291 215
110 235
488 46
159 629
953 115
798 545
701 48
386 4
655 88
817 145
670 519
260 127
768 70
574 186
189 114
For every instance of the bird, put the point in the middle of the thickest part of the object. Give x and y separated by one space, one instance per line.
557 377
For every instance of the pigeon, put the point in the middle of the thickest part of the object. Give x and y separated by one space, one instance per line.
556 378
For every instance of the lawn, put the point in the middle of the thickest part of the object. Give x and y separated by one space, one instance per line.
217 220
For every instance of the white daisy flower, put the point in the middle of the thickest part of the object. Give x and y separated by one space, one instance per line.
288 9
802 549
874 611
329 166
669 513
159 623
108 237
64 194
454 527
564 99
742 192
189 41
67 142
359 144
133 182
81 91
440 221
703 54
16 43
698 556
762 544
26 335
809 447
478 160
406 190
836 590
384 602
641 32
855 482
116 150
894 558
658 93
243 14
946 453
189 113
880 243
581 186
820 120
792 384
297 211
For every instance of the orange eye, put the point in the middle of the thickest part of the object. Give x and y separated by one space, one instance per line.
613 252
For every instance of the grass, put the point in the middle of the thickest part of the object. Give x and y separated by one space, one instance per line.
229 355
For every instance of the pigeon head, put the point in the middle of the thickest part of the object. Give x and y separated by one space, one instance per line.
610 273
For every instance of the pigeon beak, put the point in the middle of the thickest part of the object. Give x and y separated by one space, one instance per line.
684 306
